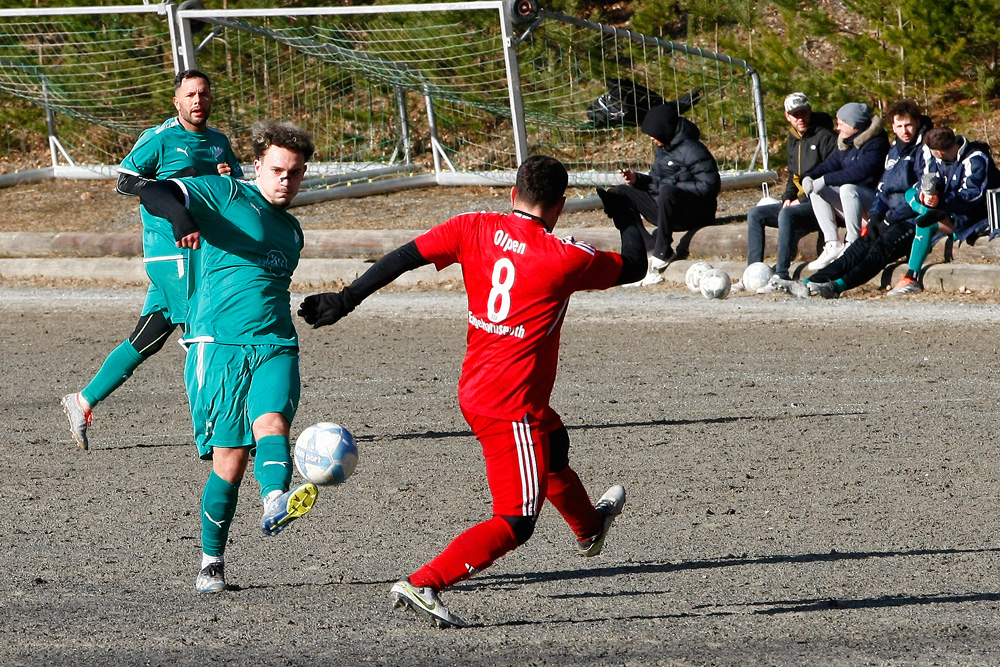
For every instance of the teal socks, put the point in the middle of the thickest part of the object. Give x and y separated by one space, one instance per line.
117 368
218 506
273 465
922 240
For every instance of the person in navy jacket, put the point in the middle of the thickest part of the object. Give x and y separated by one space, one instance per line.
844 184
953 177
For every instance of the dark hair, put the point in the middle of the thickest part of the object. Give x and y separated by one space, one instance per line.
940 138
903 109
541 180
267 133
191 74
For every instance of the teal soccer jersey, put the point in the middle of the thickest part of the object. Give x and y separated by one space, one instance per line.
170 151
249 250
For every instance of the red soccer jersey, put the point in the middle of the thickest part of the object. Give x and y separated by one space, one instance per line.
518 278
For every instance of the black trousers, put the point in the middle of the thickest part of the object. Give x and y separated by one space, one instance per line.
866 258
673 208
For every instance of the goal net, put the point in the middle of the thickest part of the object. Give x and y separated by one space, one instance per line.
454 93
88 80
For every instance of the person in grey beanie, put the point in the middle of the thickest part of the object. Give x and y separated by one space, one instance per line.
844 184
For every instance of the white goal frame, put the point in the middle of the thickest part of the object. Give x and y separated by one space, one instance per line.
333 180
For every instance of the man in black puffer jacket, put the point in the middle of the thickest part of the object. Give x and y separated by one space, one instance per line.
683 184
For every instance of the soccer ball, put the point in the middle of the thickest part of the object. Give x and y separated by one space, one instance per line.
756 276
715 284
325 454
693 276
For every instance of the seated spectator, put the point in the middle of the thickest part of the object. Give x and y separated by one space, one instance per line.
889 231
682 186
954 174
811 140
844 185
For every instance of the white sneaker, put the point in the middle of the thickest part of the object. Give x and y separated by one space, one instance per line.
609 506
424 602
831 251
79 418
657 265
211 579
772 286
738 286
652 278
777 284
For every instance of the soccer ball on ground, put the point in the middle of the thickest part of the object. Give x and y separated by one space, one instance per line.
325 454
756 276
715 284
693 276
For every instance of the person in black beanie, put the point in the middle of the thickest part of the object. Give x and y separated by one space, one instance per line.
682 185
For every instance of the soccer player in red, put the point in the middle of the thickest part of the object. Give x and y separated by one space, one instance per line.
519 278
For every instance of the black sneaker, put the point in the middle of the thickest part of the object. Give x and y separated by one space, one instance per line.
825 290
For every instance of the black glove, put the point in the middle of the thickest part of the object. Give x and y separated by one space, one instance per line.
320 310
619 208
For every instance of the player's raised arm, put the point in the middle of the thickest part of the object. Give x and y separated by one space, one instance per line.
166 200
627 221
320 310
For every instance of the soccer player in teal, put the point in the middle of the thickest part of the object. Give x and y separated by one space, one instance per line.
182 146
242 369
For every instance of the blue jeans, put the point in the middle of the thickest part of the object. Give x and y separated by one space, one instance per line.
793 222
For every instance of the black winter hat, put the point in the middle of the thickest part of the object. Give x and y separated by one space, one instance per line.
661 123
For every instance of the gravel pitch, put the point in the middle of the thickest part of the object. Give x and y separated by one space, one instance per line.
810 483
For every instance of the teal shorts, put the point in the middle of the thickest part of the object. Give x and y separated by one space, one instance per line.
170 286
230 386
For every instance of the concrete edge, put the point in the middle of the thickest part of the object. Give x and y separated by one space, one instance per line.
315 272
718 241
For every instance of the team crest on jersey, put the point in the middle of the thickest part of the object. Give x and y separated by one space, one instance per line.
217 153
275 262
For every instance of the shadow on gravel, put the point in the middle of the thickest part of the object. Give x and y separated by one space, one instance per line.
439 435
711 563
796 606
141 445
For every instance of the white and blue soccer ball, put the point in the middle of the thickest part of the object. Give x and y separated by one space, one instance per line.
756 276
325 454
693 276
715 284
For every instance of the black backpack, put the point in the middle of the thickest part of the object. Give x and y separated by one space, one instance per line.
626 104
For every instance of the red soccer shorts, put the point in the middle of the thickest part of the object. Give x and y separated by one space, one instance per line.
517 461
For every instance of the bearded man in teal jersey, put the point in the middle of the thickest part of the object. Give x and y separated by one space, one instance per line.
242 369
181 146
